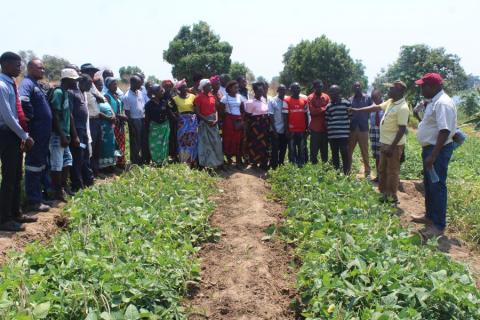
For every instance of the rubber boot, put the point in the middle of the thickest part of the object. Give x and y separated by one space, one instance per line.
65 185
58 192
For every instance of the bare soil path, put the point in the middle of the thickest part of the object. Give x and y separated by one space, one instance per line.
245 275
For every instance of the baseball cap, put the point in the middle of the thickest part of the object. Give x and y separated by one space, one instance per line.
88 66
69 73
430 78
396 83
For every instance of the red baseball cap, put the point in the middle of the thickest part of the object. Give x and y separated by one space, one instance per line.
430 78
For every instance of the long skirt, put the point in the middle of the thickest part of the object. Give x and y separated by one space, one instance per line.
232 136
107 153
258 139
119 131
187 137
158 141
210 152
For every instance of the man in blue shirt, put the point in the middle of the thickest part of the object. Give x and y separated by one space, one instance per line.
38 112
359 127
13 139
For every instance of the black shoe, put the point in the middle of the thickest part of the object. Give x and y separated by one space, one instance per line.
25 219
12 226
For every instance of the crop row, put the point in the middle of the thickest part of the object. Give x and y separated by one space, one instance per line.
357 262
128 253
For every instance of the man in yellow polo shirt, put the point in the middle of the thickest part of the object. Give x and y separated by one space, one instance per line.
392 138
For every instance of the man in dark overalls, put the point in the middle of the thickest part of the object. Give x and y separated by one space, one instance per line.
39 115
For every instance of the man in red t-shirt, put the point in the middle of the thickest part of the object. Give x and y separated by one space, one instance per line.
317 105
297 121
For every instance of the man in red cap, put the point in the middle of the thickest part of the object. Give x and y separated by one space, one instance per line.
435 133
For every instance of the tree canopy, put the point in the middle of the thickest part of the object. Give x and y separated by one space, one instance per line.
197 50
321 59
53 66
238 69
128 71
416 60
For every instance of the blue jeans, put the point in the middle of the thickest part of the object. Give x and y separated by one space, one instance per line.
436 193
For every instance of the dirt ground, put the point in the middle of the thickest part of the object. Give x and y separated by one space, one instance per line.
412 203
42 231
47 225
245 275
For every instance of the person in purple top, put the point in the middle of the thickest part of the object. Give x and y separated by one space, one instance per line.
359 127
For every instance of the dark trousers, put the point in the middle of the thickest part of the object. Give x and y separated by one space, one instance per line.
96 133
139 151
436 193
36 161
81 172
11 158
279 149
318 142
340 149
296 148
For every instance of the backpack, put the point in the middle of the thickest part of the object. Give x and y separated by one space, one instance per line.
50 94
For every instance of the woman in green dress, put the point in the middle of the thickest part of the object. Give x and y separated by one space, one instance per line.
107 159
157 115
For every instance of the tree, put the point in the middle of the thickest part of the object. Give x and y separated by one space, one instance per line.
321 59
416 60
128 71
27 56
473 81
153 79
470 103
53 67
197 50
238 69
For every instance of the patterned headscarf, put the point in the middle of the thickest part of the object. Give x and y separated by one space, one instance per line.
180 83
167 83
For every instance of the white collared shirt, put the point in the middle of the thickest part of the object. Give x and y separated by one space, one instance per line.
440 114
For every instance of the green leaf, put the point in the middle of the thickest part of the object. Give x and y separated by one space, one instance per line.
132 313
41 310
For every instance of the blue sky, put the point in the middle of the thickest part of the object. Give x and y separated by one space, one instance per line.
115 33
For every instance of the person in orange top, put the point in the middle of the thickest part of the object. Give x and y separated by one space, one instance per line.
317 105
297 122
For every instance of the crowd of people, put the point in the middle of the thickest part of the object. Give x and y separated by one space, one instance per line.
75 132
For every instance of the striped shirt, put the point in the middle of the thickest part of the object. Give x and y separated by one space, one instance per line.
338 120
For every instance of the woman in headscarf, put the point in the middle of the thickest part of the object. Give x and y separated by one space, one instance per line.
187 125
119 127
259 128
233 104
210 152
169 93
106 161
157 115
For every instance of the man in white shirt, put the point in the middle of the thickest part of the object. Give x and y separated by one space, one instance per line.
435 133
134 103
276 107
